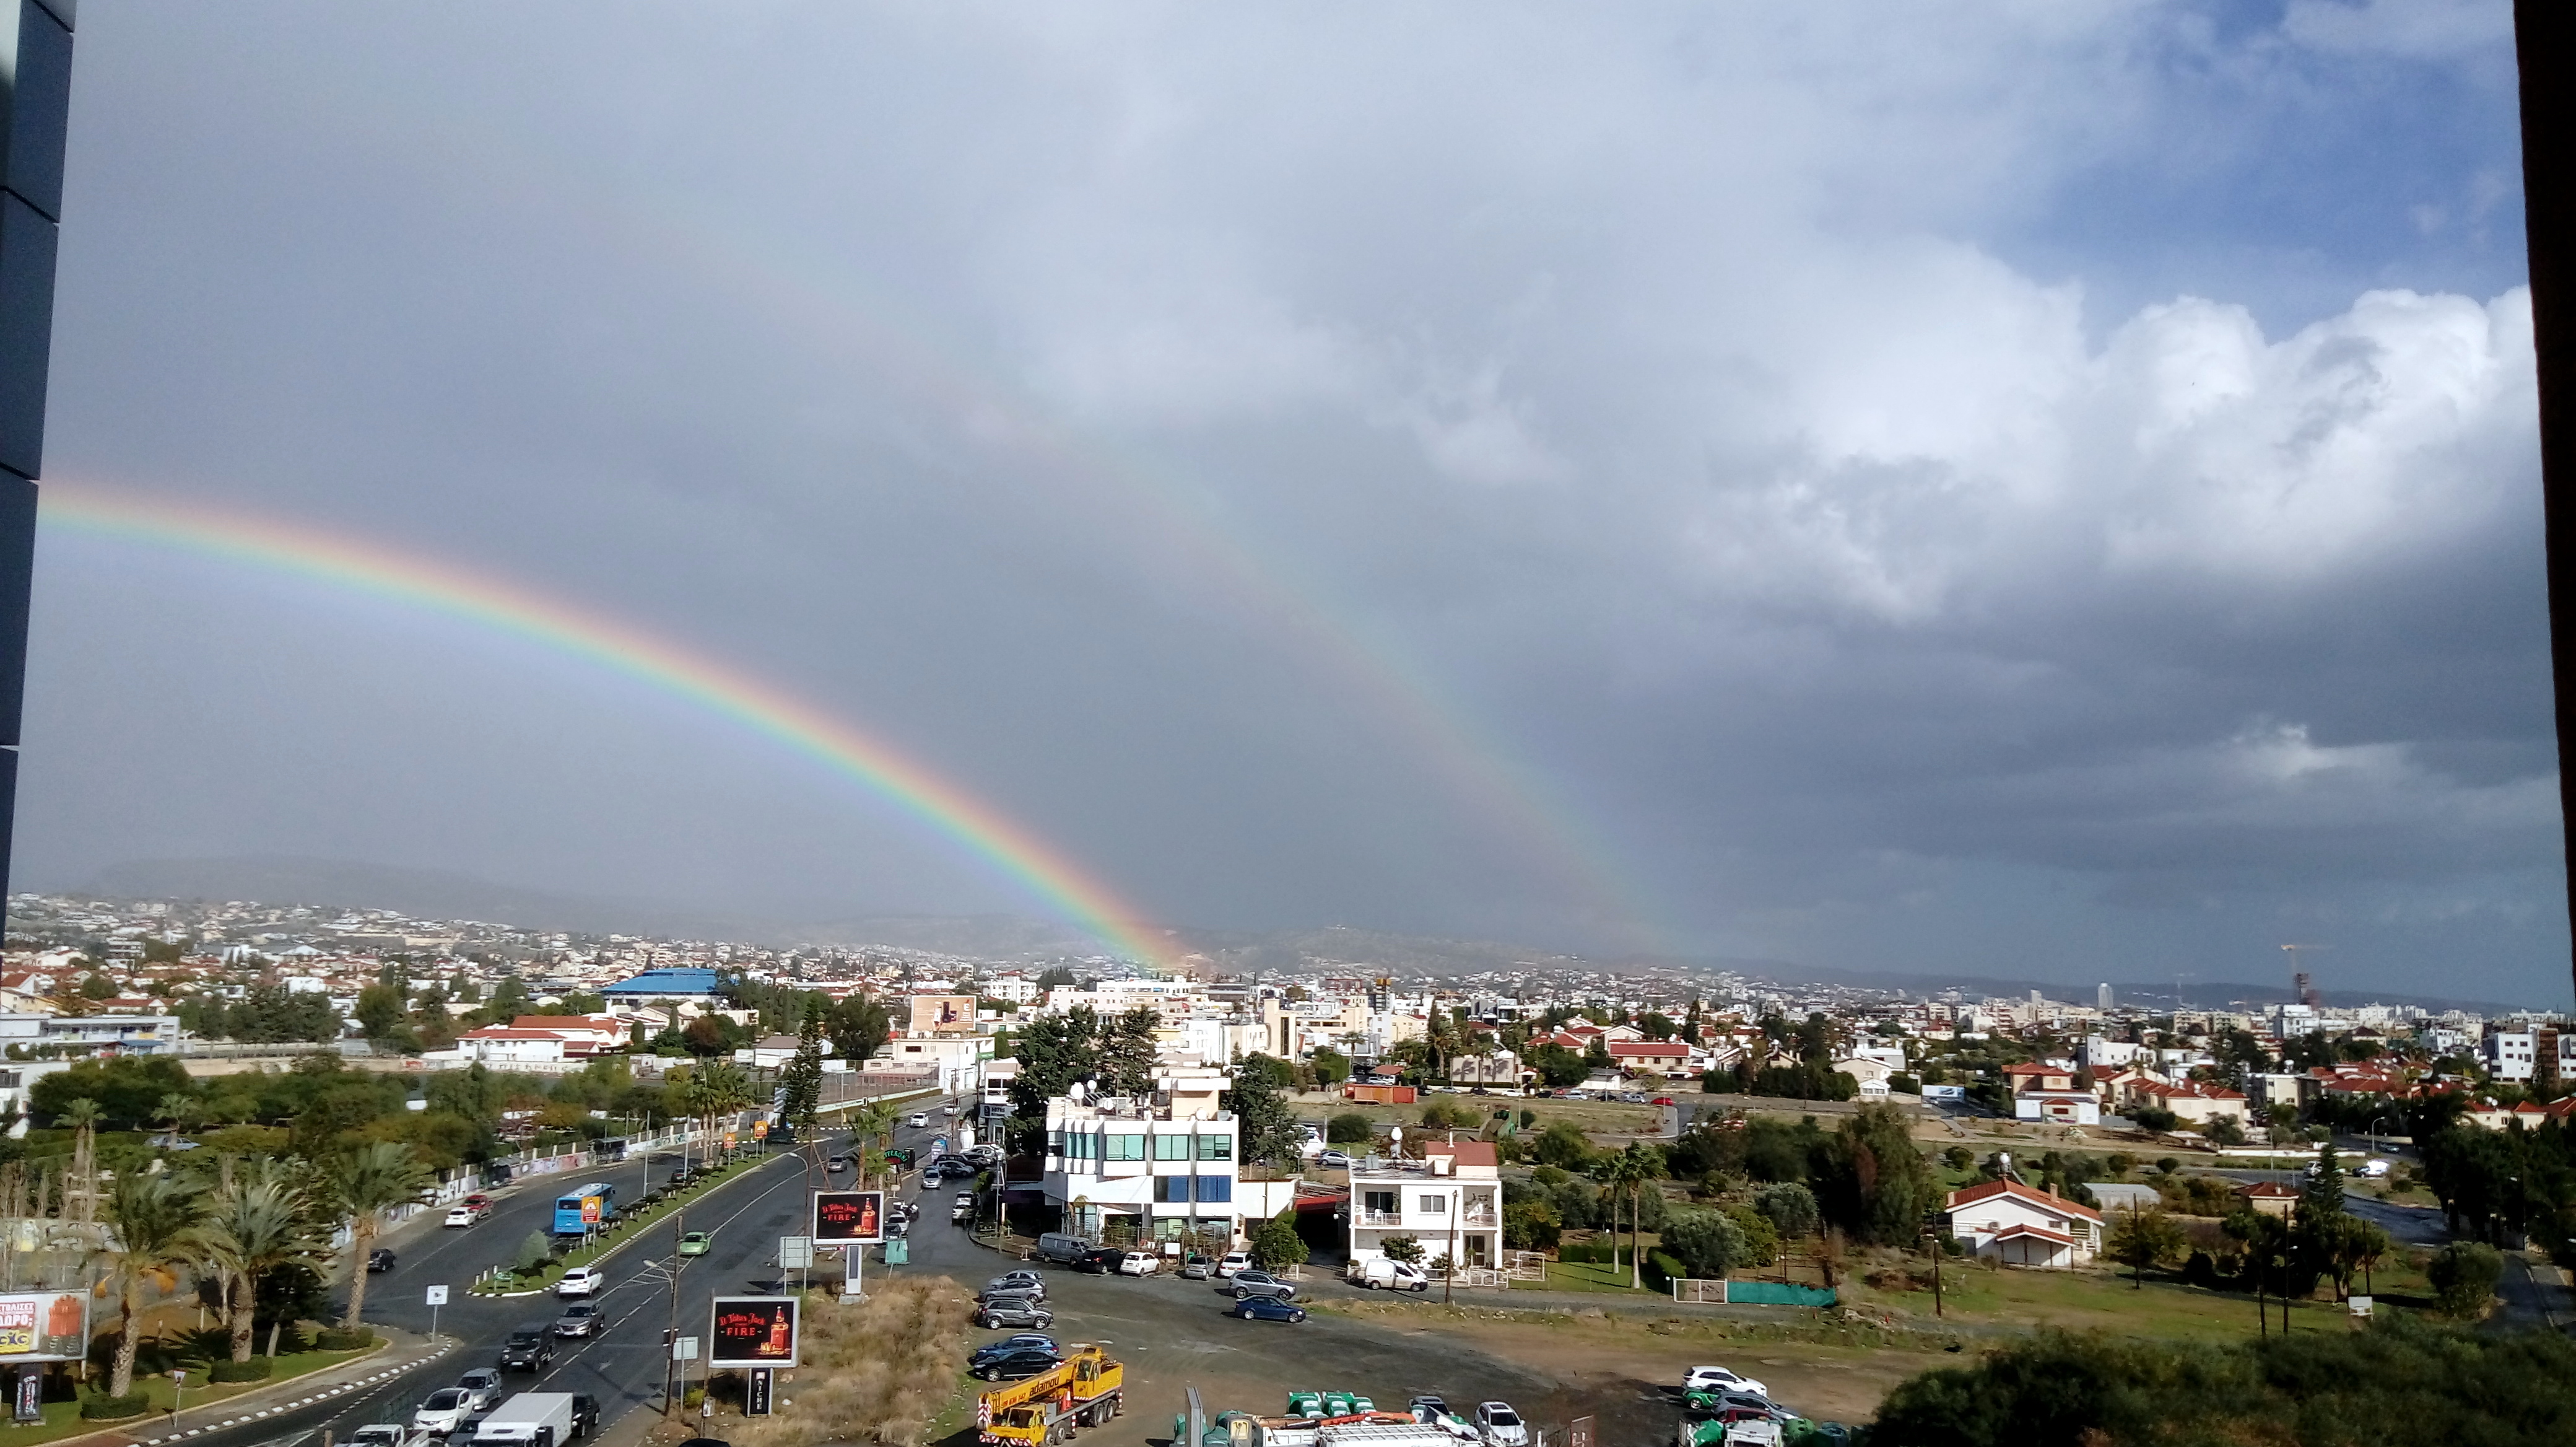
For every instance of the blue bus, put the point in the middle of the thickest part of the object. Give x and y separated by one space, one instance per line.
570 1208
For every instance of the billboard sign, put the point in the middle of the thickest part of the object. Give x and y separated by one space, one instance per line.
849 1218
590 1210
751 1331
43 1326
942 1015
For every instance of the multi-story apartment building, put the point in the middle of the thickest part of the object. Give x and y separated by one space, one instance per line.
1450 1200
1154 1167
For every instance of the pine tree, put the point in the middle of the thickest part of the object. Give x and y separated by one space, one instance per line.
1269 1128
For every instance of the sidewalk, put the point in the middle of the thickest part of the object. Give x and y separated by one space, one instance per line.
402 1352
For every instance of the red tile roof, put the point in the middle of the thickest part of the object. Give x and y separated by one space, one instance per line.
1971 1195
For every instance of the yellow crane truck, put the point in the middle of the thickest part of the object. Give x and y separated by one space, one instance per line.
1083 1390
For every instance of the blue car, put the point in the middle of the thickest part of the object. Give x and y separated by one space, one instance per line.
1268 1308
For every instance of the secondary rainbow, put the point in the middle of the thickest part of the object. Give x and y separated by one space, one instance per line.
1005 845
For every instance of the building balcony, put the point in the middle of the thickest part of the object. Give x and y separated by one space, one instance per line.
1381 1218
1478 1218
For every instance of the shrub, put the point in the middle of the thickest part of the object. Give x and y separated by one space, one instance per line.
254 1370
1706 1243
1402 1248
1277 1244
2464 1276
1349 1128
1959 1158
1791 1208
104 1408
534 1251
1563 1144
335 1339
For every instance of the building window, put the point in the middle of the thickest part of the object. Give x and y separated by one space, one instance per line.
1378 1203
1171 1148
1213 1188
1435 1205
1171 1190
1216 1148
1123 1147
1055 1142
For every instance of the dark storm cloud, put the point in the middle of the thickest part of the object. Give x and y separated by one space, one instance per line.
1814 484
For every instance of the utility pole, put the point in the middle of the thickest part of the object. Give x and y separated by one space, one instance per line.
679 1219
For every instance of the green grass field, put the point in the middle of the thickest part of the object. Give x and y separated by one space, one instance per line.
1601 1117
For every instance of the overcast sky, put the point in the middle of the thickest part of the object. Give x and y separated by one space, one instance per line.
2048 489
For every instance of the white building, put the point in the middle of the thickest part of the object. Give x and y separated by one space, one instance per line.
2020 1226
127 1034
958 1058
1159 1165
1450 1201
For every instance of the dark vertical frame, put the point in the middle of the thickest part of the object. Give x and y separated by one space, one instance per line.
35 113
2542 31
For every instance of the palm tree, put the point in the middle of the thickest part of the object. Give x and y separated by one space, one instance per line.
1626 1175
258 1223
722 1090
80 1183
365 1184
874 1121
154 1225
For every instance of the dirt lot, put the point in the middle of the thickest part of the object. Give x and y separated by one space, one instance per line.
1604 1120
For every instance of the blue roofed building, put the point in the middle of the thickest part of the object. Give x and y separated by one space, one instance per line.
694 985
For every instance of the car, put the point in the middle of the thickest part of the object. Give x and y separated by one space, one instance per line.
1012 1343
460 1216
1026 1283
1737 1407
919 1120
1261 1283
1013 1366
581 1281
996 1312
679 1179
1139 1263
2371 1169
1267 1308
1334 1160
1232 1262
380 1259
836 1164
1100 1262
442 1413
965 1199
585 1414
1719 1379
1427 1410
478 1202
529 1349
1195 1267
579 1319
1501 1425
695 1243
482 1389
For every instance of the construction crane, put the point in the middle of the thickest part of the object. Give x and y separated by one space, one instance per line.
2301 988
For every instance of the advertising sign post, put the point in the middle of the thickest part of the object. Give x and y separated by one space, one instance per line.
854 1220
750 1332
437 1299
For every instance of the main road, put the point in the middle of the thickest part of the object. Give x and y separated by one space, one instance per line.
1172 1334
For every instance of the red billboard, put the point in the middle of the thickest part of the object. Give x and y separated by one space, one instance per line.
752 1331
849 1218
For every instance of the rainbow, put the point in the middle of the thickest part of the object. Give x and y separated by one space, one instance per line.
1000 842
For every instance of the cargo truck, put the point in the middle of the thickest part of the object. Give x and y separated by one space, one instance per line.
530 1419
1086 1389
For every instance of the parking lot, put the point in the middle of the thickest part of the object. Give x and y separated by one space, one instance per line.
1174 1334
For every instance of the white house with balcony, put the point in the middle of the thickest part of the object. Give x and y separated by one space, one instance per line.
1450 1201
1154 1167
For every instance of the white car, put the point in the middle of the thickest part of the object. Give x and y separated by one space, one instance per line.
1719 1379
461 1216
1139 1263
581 1281
444 1412
919 1119
2371 1169
1232 1262
1501 1425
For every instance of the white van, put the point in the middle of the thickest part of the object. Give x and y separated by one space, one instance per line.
1385 1274
1061 1249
